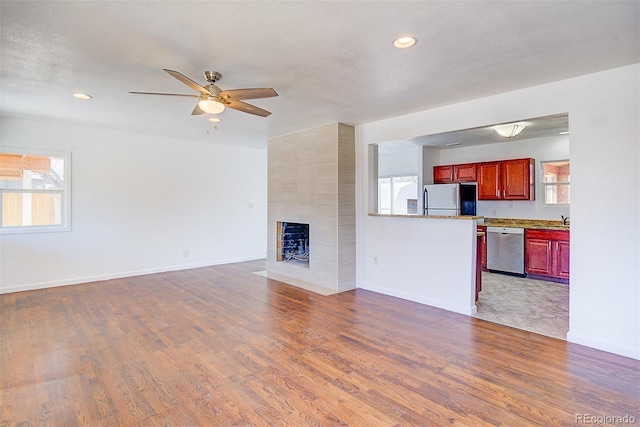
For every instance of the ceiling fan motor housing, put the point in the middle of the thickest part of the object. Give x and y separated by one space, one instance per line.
212 76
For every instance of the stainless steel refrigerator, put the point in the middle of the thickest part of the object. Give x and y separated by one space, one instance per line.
450 199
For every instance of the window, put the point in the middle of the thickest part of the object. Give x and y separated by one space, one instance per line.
35 190
556 182
397 194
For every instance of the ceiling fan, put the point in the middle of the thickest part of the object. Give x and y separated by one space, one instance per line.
213 100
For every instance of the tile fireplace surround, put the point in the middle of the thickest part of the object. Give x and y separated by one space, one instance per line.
311 180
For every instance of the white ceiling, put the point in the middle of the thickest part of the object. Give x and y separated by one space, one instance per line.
329 60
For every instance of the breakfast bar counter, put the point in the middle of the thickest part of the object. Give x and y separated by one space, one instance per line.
464 217
423 258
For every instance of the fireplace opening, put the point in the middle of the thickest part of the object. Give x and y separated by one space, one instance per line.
293 243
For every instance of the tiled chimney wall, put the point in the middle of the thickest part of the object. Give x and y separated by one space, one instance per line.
311 180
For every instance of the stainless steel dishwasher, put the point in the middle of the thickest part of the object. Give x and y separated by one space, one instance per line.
505 249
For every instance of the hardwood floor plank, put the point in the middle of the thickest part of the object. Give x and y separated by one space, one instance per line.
223 346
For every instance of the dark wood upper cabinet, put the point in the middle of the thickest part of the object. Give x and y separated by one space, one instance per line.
443 174
454 173
464 173
518 178
497 180
489 183
506 180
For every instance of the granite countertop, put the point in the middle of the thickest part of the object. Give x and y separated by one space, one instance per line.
540 224
427 216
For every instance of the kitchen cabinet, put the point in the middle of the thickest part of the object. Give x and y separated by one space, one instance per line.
547 254
518 178
478 266
443 174
483 248
506 180
454 173
489 181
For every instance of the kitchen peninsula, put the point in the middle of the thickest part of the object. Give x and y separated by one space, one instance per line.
424 258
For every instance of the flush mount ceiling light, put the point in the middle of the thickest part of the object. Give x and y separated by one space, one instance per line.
405 42
210 104
566 132
82 96
214 119
509 130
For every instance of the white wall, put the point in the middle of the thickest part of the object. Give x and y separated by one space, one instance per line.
603 113
407 255
138 204
397 162
541 149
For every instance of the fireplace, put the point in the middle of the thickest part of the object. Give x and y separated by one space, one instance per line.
293 243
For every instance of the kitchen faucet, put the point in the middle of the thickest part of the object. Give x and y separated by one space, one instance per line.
564 219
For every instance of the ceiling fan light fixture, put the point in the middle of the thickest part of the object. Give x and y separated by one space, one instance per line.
509 130
210 105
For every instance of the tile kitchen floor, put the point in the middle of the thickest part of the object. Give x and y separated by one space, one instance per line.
533 305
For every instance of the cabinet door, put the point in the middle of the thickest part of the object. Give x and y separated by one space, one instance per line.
442 174
464 173
562 260
517 179
483 253
488 180
539 259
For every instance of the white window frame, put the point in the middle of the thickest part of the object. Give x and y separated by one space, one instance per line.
65 193
546 185
391 178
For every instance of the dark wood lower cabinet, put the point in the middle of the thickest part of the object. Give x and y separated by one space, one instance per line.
547 254
539 256
562 257
483 249
479 239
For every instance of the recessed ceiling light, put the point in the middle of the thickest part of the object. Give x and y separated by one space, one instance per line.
82 96
405 42
214 119
566 132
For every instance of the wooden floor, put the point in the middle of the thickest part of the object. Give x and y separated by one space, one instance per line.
223 346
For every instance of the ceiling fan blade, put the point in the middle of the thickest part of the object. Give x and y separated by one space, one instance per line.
165 94
197 111
252 93
186 80
246 108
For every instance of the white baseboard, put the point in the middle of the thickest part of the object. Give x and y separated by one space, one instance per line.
468 311
120 275
621 350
